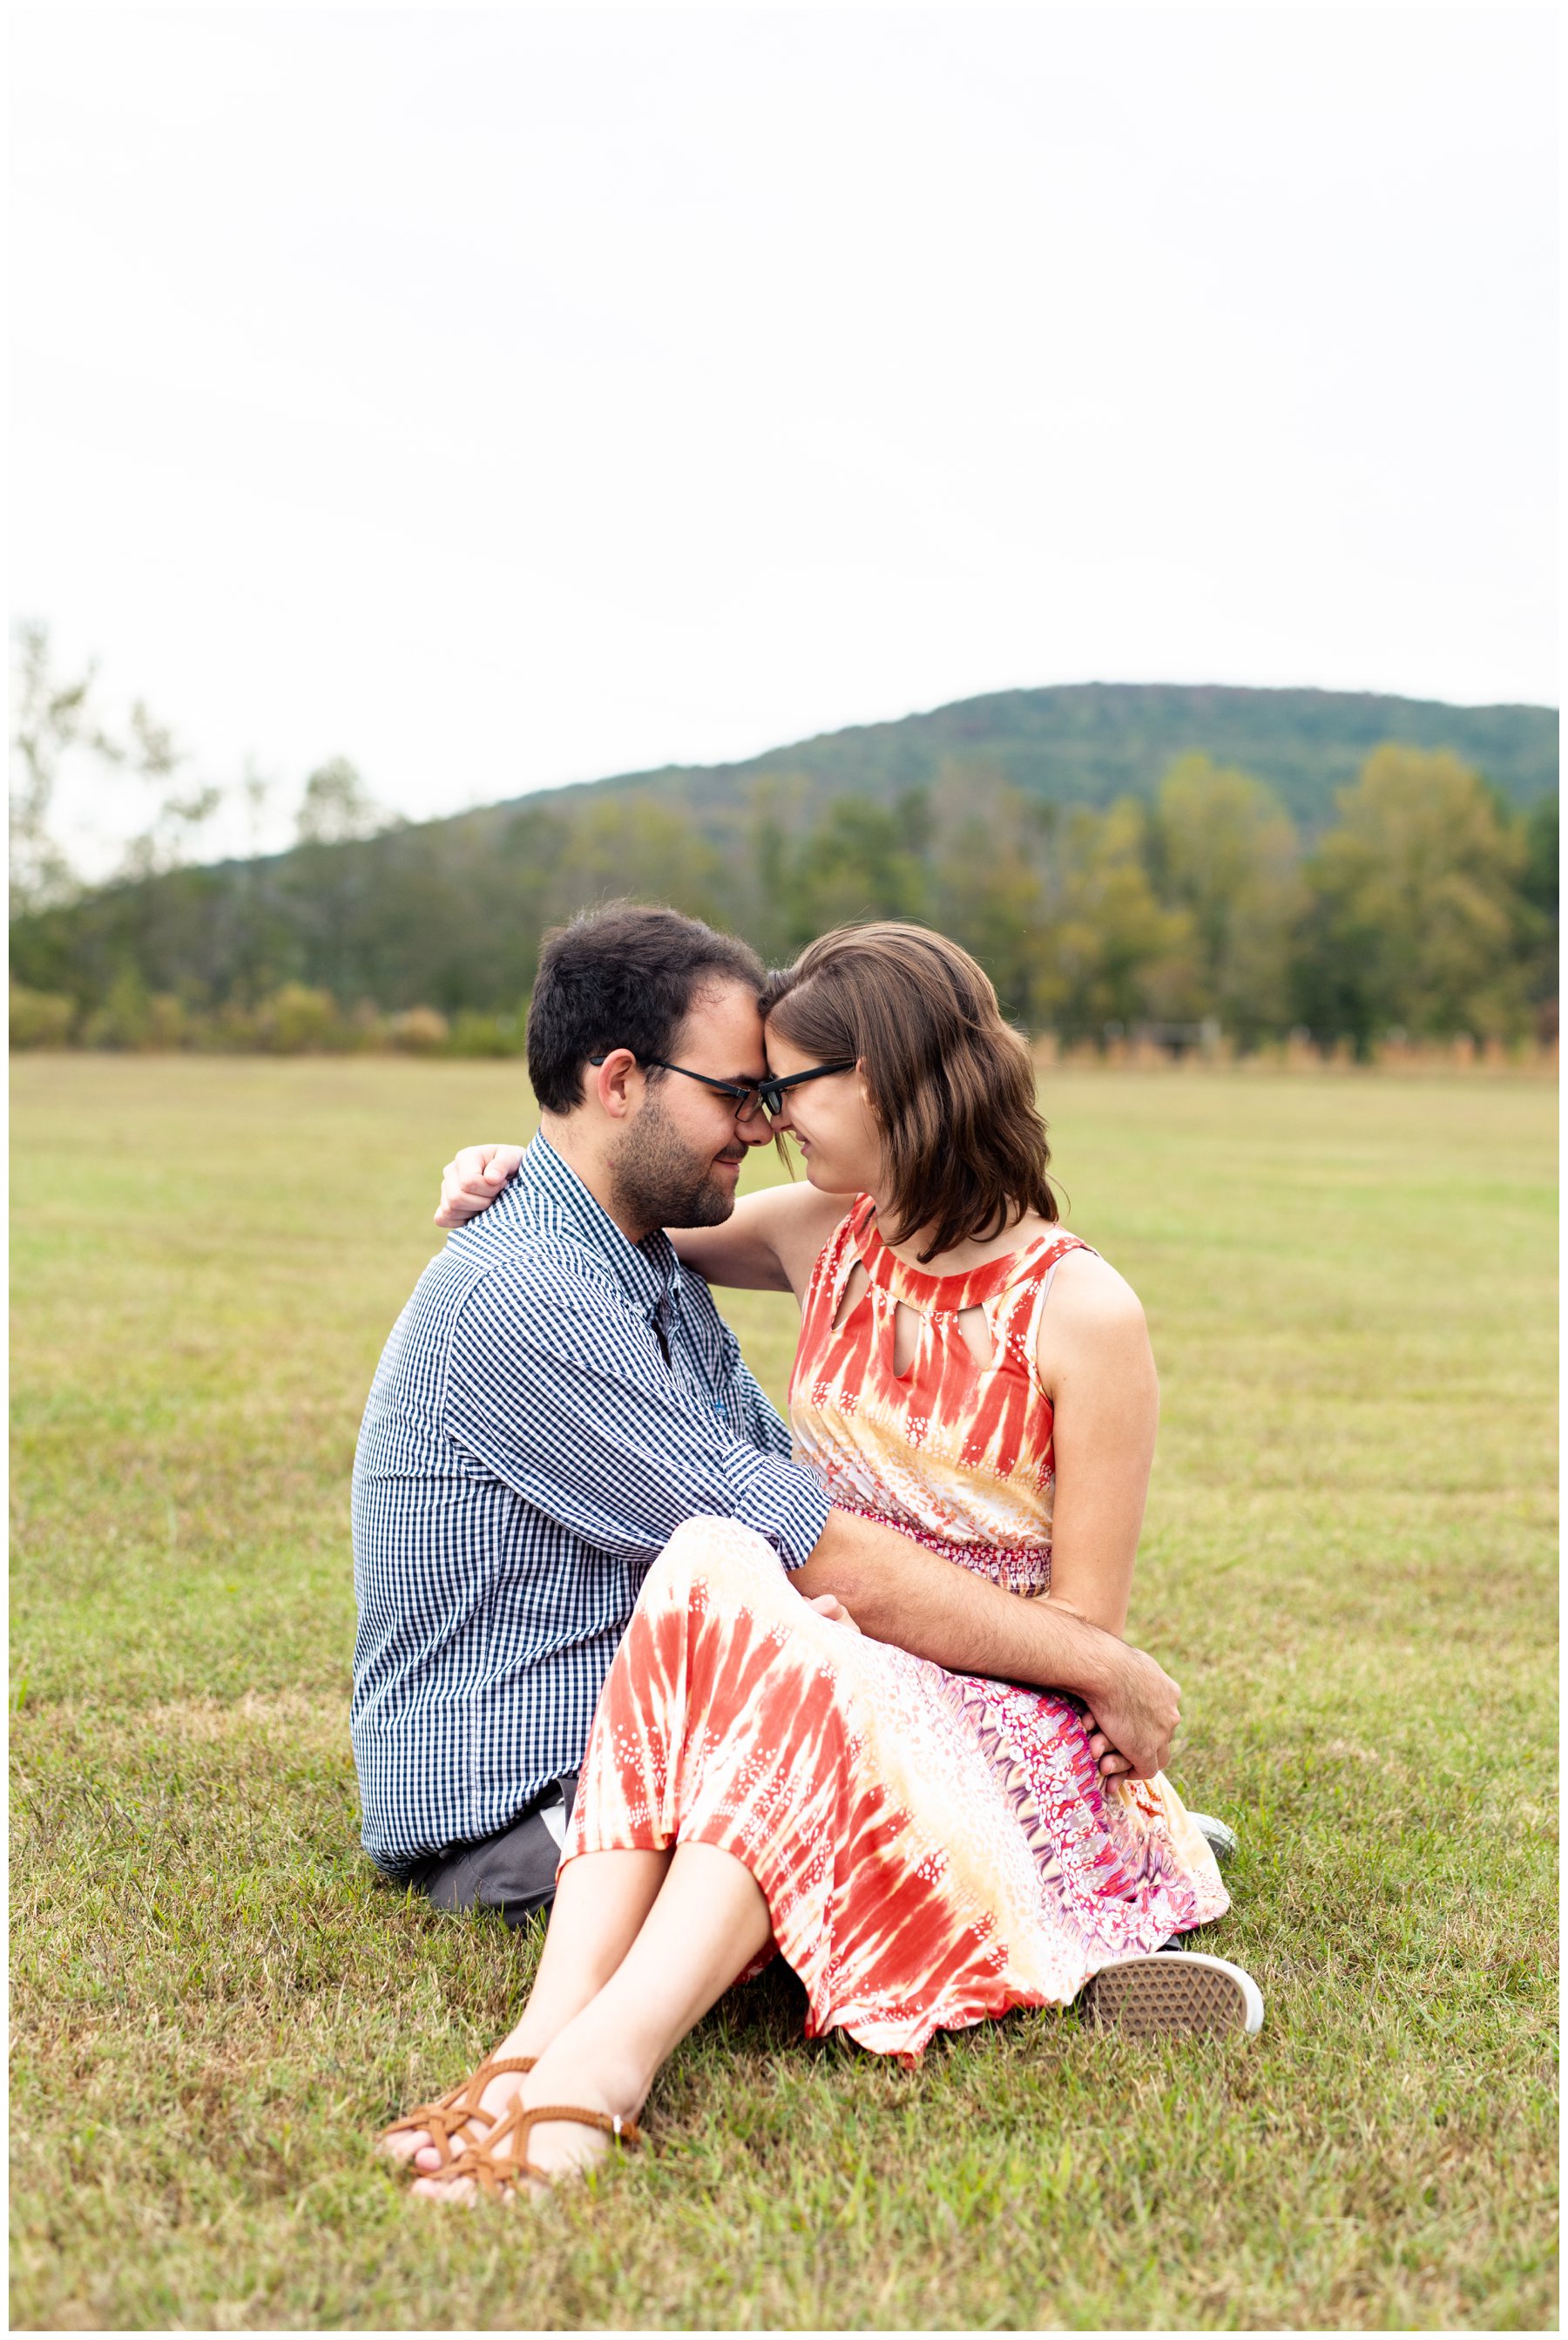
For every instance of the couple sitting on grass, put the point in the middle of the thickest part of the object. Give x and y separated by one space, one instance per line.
852 1691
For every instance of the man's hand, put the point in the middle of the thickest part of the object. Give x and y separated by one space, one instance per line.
1134 1714
1112 1764
471 1183
899 1592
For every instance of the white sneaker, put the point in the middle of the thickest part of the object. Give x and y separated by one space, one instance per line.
1176 1993
1222 1841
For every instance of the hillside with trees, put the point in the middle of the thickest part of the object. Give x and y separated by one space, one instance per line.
1117 856
1090 743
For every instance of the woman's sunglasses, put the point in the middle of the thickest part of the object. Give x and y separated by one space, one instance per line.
765 1096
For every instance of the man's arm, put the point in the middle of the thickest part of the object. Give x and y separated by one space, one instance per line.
898 1592
556 1383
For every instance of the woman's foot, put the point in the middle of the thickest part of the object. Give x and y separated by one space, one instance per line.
556 2150
468 2113
703 1926
600 1904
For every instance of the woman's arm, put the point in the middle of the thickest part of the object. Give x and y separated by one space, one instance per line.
770 1243
1097 1369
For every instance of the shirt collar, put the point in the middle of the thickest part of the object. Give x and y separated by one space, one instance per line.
649 1270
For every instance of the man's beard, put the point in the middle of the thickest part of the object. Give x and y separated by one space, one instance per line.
658 1181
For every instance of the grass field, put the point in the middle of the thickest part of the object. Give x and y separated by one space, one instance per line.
1349 1563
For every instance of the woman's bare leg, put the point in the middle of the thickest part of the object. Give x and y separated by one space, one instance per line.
601 1903
709 1922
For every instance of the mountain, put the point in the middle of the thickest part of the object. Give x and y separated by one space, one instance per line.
1090 742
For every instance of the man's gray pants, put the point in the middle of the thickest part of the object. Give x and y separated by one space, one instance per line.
512 1871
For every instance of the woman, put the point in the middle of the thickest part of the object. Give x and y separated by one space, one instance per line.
926 1850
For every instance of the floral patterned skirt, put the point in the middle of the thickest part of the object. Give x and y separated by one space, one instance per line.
934 1848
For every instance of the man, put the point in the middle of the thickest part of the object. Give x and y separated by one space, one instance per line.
558 1397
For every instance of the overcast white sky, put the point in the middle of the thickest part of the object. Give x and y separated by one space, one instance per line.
510 396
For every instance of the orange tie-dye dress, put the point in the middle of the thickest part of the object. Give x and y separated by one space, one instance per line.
934 1848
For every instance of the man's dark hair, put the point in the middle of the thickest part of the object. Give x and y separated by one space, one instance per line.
622 977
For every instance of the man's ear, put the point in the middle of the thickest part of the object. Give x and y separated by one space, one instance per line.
617 1084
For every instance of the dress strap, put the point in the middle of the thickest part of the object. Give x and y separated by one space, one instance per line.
1042 1278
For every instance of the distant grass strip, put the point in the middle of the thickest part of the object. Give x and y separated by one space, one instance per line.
1349 1564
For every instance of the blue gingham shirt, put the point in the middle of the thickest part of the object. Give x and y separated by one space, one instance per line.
552 1402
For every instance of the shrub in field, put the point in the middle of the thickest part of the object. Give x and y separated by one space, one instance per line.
40 1019
134 1017
170 1022
367 1026
473 1035
418 1031
231 1028
295 1019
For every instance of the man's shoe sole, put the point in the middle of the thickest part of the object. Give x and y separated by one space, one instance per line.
1176 1993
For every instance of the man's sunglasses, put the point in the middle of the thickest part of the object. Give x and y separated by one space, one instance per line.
766 1096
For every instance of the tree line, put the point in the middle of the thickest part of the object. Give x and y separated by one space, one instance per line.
1426 908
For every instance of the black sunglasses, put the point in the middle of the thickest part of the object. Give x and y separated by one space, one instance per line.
749 1097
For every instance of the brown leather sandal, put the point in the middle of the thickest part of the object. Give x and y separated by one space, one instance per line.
451 2113
493 2168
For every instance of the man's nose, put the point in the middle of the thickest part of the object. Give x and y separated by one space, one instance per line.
753 1125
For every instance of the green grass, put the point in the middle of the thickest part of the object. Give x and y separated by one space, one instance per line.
1348 1564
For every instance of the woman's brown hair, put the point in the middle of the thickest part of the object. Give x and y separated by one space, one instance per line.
952 1084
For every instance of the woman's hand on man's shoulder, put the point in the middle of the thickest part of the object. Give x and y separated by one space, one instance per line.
472 1181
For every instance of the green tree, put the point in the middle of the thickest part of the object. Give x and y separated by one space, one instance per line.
1413 915
861 861
51 718
337 885
644 850
180 809
1538 913
988 887
336 806
1224 851
1108 952
763 871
